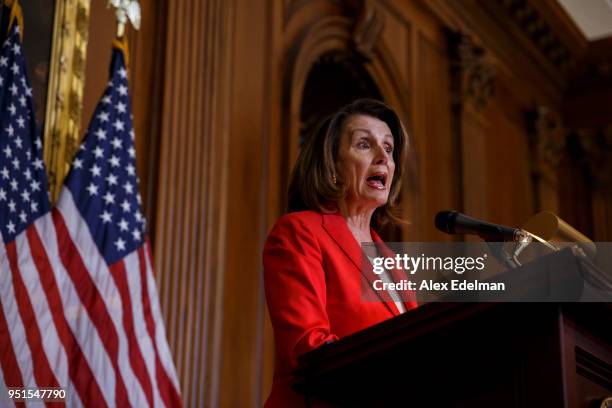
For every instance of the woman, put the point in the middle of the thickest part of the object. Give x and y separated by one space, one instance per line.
346 181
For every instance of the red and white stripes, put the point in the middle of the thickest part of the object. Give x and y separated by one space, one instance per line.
75 322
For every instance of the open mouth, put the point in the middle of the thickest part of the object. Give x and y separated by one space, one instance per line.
377 180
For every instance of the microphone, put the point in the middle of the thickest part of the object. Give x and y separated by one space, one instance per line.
454 222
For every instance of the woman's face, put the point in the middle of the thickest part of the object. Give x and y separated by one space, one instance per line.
365 161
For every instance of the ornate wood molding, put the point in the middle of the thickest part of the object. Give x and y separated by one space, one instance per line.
473 76
547 137
596 150
530 19
547 143
368 26
66 81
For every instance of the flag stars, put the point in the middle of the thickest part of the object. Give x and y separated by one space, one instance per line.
16 163
100 134
114 161
111 179
35 185
5 173
23 216
38 143
92 189
2 195
38 163
106 99
122 89
14 185
10 130
25 196
125 206
21 122
116 142
120 244
109 198
103 117
12 109
16 49
122 72
28 89
18 142
11 227
3 61
22 101
12 206
131 170
8 152
119 125
78 163
121 107
123 225
28 174
98 152
139 216
34 206
106 217
96 171
15 69
132 151
136 234
129 188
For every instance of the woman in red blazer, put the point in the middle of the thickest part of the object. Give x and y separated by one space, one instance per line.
346 181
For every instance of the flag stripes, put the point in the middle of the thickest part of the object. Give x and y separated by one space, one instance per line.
95 386
119 274
22 270
79 370
167 386
8 359
93 302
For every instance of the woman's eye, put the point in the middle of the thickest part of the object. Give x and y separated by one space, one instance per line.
389 148
363 145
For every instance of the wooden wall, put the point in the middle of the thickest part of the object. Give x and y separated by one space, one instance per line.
216 88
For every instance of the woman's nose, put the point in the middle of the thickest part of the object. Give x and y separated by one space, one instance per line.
381 155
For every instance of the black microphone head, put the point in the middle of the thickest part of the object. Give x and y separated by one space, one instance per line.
445 221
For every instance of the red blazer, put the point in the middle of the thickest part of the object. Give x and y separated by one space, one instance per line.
313 284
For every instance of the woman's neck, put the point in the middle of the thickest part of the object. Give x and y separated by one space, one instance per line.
359 224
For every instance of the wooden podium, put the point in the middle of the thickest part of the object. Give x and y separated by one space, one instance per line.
470 355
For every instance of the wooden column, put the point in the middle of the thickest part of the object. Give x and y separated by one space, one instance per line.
192 190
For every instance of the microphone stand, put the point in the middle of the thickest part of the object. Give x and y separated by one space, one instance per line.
522 239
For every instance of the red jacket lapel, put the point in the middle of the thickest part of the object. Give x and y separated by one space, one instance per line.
336 227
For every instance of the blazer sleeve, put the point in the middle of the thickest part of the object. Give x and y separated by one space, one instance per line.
295 289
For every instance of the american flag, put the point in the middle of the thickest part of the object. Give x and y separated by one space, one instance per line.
94 326
23 199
